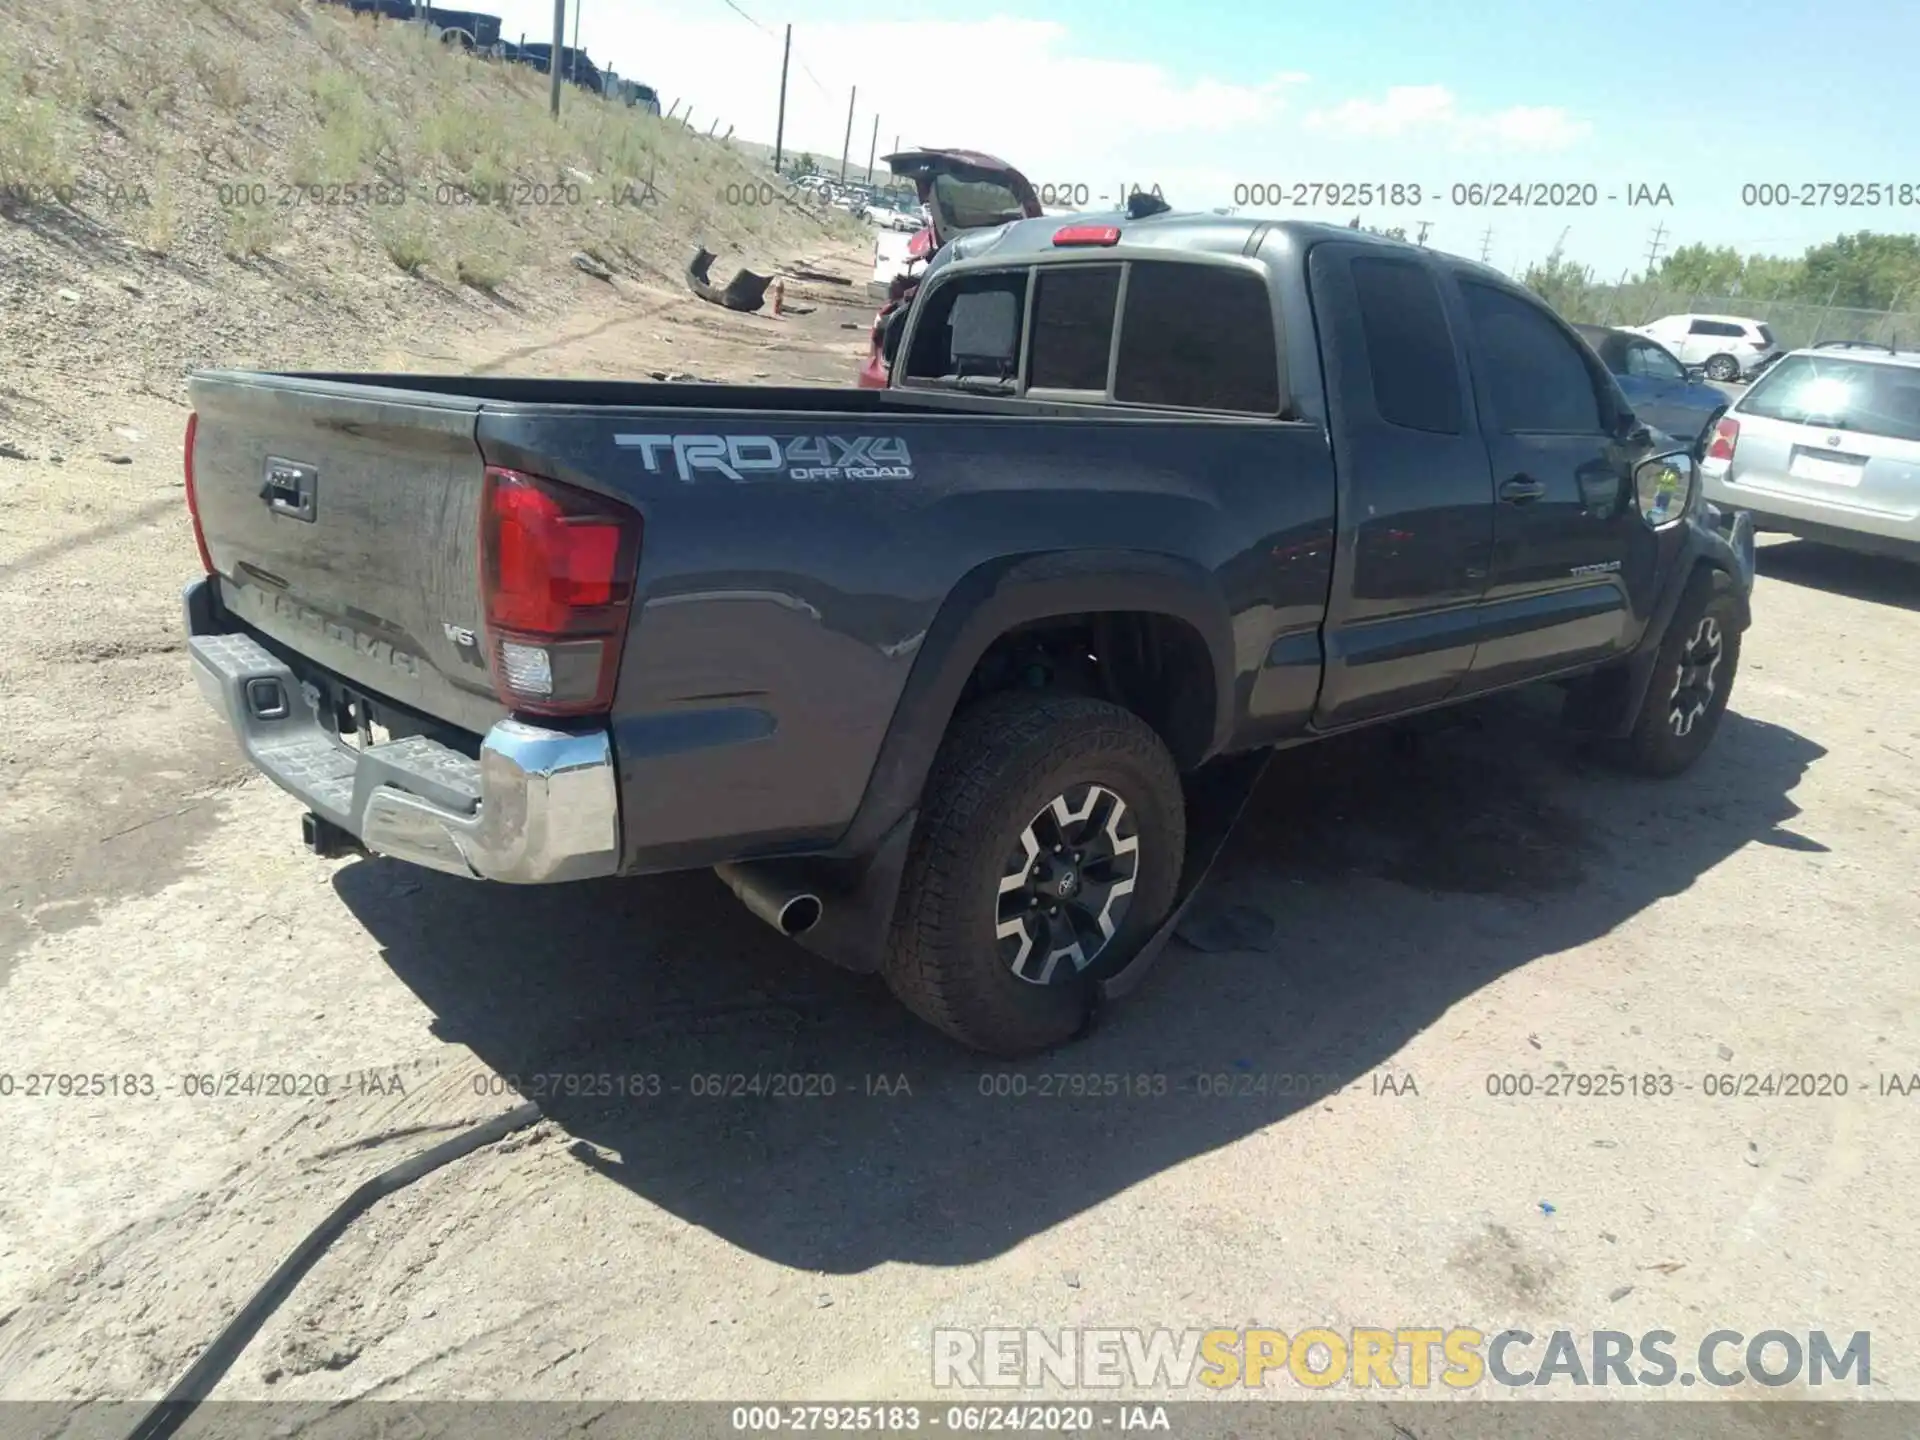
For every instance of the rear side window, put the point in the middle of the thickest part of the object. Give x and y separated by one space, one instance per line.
1072 338
1840 395
1535 375
1416 381
1718 327
970 329
1200 337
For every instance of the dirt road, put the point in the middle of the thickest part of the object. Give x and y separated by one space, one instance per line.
1478 904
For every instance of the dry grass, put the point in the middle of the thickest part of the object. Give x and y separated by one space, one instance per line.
36 143
252 231
194 95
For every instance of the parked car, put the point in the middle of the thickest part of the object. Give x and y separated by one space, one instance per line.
959 191
920 670
1662 391
1873 345
1827 447
1728 347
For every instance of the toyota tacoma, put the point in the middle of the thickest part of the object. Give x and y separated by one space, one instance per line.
920 670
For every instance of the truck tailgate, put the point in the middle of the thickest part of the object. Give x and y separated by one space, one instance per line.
343 522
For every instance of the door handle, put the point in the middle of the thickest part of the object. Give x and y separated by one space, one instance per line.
1521 489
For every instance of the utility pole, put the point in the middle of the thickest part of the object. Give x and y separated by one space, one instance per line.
1486 247
780 125
1425 225
553 59
573 60
847 144
873 148
1656 245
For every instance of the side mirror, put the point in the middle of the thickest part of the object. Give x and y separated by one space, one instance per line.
1626 424
1696 373
1663 487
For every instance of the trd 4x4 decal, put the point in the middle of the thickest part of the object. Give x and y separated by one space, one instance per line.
799 457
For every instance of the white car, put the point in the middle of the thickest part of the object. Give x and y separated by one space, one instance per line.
1826 446
1727 347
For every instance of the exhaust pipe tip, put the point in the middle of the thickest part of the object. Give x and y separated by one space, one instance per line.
786 907
799 915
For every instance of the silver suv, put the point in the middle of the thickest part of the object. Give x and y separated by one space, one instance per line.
1826 446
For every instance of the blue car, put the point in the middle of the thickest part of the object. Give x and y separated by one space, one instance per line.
1664 393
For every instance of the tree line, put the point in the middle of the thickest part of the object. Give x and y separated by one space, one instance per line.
1862 271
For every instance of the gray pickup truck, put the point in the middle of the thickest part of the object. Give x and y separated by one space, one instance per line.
920 670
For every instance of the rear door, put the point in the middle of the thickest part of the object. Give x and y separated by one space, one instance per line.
1416 499
1567 537
343 521
1837 429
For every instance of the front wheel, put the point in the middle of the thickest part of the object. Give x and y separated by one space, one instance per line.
1049 846
1692 680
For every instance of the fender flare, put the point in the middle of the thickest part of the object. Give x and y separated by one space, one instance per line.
1703 548
1000 595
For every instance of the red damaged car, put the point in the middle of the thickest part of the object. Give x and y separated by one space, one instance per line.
961 190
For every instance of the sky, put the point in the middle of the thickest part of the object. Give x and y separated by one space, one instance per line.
1210 103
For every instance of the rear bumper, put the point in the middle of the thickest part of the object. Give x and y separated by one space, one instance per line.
538 806
1813 516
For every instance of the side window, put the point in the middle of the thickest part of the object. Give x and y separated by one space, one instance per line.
1701 327
970 327
1200 337
1654 363
1416 380
1535 375
1072 327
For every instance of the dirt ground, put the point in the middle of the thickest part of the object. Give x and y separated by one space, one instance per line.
1480 902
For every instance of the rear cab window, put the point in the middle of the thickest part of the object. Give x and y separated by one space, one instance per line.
1410 352
1187 334
1856 396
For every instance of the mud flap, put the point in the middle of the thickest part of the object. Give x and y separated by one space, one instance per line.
1217 796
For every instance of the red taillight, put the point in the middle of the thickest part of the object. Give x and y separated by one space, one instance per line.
1725 435
1087 235
557 569
193 500
921 244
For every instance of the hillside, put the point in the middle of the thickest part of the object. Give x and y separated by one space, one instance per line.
280 182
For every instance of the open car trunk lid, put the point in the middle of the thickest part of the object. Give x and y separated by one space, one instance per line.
342 521
965 190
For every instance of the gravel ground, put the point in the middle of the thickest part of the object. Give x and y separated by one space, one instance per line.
1400 919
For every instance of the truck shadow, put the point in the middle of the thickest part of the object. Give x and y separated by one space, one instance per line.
1401 874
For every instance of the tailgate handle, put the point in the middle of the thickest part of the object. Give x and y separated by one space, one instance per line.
289 488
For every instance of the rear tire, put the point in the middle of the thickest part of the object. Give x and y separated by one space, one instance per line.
971 919
1692 681
1723 368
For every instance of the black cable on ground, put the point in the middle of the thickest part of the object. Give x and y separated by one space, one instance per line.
172 1409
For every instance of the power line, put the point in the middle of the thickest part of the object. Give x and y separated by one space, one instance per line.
818 84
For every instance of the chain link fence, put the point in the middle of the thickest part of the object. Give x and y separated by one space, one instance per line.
1794 322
